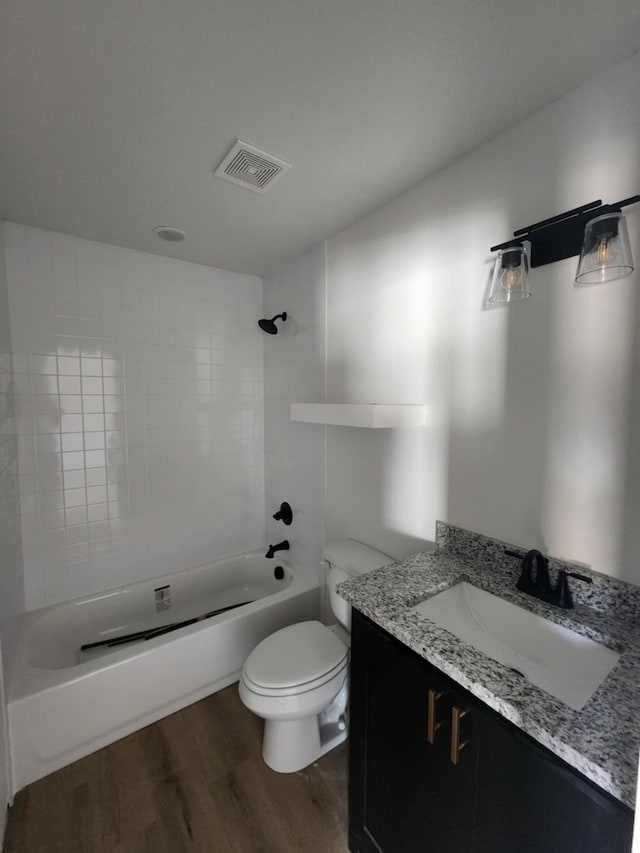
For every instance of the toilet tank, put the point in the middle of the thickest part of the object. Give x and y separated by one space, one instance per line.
348 558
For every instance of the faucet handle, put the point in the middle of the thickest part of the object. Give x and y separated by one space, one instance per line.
579 577
517 554
284 514
563 591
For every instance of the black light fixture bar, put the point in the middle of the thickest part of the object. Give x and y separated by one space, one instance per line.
561 217
561 236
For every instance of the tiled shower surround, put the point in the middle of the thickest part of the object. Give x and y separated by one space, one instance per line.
11 579
139 400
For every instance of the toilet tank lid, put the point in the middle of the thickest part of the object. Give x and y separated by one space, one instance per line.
354 558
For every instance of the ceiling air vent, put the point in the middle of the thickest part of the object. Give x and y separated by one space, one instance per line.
251 168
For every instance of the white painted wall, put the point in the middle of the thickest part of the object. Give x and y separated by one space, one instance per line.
534 408
140 412
294 362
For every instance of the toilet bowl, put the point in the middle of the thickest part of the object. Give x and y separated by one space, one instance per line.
297 678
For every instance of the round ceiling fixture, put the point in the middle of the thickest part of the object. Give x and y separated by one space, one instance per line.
171 235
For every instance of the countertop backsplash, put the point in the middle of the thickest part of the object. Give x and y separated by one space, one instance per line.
606 595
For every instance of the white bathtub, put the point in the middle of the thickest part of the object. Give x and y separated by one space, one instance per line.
64 703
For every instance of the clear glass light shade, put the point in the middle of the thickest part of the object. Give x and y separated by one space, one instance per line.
510 282
606 252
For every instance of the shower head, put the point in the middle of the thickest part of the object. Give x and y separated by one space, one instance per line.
269 326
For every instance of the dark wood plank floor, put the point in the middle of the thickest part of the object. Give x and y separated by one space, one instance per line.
195 781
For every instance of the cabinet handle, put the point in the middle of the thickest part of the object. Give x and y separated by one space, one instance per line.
456 746
432 723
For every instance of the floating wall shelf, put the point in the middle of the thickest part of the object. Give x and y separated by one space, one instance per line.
369 415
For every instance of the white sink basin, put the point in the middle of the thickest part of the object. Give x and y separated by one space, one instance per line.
560 661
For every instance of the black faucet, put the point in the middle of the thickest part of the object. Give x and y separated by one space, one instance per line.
539 585
281 546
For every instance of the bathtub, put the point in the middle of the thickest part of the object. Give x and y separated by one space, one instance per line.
65 703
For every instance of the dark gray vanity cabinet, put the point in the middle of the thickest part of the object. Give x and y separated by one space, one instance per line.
433 770
393 762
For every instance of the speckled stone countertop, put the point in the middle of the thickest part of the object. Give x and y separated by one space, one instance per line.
602 740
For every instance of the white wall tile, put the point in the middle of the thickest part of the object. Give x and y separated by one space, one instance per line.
143 459
12 594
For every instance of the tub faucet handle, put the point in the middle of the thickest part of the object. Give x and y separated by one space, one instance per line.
284 514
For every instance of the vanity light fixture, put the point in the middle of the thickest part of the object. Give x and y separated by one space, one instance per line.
606 252
510 281
595 231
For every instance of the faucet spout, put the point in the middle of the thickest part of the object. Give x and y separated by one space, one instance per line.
281 546
541 582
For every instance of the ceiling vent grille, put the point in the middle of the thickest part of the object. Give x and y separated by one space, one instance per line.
251 168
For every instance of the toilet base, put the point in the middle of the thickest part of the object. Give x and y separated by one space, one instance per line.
291 745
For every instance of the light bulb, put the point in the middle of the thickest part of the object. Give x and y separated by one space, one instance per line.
512 276
603 249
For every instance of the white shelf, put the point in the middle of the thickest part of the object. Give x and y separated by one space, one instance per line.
368 415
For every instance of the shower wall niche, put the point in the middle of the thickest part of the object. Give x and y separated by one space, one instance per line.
139 412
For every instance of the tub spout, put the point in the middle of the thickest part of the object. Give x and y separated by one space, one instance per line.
281 546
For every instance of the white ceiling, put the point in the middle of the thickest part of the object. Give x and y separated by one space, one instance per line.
115 113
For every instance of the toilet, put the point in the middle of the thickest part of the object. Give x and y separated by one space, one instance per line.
297 678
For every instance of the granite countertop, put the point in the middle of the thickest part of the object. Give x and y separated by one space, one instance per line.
603 739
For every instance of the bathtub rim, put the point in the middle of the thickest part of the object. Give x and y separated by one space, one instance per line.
42 623
25 679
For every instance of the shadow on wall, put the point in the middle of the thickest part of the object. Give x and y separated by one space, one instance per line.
501 374
371 507
388 342
532 408
499 407
584 511
551 472
630 538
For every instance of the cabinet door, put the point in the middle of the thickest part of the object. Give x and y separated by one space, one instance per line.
413 798
532 802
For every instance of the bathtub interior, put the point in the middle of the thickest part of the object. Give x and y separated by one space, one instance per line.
62 713
56 634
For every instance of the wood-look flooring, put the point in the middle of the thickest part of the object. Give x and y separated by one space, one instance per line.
194 781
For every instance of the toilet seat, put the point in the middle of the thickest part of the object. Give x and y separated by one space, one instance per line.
295 659
296 689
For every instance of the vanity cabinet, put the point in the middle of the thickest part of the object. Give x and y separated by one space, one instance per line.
433 770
